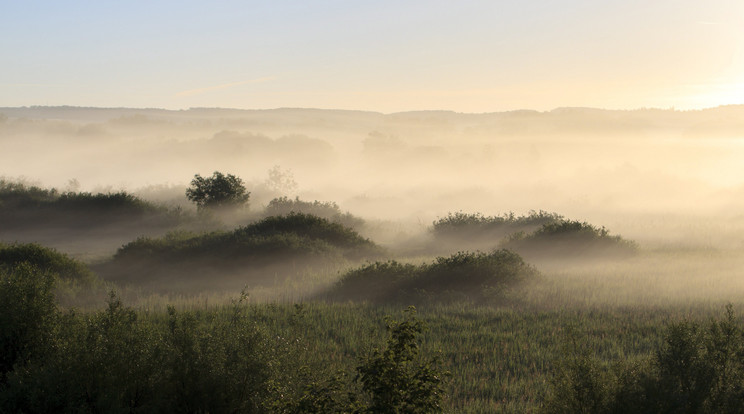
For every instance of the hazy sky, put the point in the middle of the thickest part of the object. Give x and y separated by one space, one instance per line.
468 56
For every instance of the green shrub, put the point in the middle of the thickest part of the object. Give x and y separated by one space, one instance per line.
26 206
475 276
223 365
257 253
696 370
569 238
272 237
27 314
21 195
46 260
462 225
376 282
396 378
113 203
116 361
328 210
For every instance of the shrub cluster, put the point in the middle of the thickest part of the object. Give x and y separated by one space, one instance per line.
569 238
46 260
328 210
475 276
464 225
28 205
697 369
272 237
218 361
273 241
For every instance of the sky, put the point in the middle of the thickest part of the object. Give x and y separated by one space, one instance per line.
385 56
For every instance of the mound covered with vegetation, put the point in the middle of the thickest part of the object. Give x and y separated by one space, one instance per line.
473 276
567 239
272 245
29 206
46 260
476 231
328 210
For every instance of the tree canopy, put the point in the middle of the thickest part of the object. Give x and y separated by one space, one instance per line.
217 191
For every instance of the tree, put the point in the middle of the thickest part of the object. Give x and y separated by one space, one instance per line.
217 191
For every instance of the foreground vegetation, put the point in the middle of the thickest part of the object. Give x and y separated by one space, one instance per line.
313 357
491 332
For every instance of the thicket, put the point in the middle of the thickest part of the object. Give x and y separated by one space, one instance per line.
287 240
219 361
468 225
329 210
569 239
23 205
465 275
698 369
46 260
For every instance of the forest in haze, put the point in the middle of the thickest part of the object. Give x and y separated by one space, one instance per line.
304 260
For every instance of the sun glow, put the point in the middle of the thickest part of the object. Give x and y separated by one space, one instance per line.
716 94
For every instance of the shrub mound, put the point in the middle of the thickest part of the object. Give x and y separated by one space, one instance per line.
568 239
329 210
474 276
274 242
23 205
474 231
467 225
45 260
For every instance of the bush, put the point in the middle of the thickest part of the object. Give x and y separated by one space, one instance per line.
395 377
113 203
475 276
21 195
696 370
569 238
464 225
24 206
327 210
266 249
46 260
27 314
114 361
219 361
293 234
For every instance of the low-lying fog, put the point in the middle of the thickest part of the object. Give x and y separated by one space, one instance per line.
667 179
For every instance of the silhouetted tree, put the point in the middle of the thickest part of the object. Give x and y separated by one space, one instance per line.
217 191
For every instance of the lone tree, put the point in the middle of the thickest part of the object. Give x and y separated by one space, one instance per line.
217 191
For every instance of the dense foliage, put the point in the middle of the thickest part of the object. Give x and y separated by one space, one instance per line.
464 225
698 369
328 210
25 206
473 276
217 191
223 361
45 260
568 239
274 242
